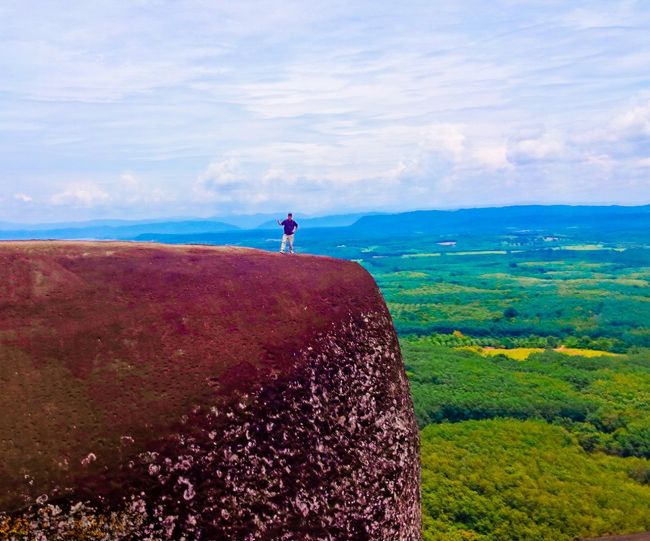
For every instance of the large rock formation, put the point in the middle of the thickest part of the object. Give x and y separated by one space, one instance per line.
200 393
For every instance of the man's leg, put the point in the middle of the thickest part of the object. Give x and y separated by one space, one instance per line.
291 244
284 242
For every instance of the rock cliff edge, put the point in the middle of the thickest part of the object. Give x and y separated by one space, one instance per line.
200 393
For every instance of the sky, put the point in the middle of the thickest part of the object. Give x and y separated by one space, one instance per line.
151 108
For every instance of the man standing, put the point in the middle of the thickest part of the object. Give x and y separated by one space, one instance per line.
290 227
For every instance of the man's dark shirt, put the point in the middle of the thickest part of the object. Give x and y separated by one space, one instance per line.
289 226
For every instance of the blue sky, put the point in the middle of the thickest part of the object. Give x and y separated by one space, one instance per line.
136 109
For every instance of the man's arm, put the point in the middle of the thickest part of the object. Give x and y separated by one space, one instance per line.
295 227
279 222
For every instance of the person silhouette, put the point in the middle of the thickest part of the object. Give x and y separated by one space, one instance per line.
290 227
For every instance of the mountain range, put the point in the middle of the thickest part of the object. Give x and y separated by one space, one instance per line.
528 217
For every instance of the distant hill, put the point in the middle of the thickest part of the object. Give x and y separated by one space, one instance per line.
335 220
247 221
517 219
118 232
608 223
13 226
134 229
527 217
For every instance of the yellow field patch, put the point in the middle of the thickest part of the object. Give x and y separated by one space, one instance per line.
521 354
582 247
408 256
588 247
586 352
518 354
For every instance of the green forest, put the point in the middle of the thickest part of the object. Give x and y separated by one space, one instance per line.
551 444
554 447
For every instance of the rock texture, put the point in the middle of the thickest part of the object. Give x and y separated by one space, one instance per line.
157 392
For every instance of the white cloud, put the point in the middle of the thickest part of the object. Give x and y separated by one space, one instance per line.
585 18
221 175
23 198
602 161
115 107
132 189
644 163
224 183
633 123
540 148
493 156
82 195
446 138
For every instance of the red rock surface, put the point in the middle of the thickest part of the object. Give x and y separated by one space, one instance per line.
267 388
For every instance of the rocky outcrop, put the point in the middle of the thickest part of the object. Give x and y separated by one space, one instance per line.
200 393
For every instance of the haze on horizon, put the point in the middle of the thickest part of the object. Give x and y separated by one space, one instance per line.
155 108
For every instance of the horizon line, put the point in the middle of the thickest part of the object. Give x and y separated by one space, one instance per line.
162 219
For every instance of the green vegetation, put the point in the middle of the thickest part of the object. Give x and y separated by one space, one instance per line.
526 480
550 448
530 382
604 401
595 299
